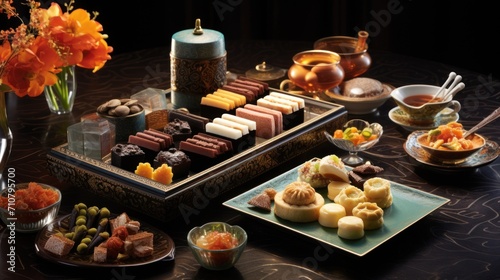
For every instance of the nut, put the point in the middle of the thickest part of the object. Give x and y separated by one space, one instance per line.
120 107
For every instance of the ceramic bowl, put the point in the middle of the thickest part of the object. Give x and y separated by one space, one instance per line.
217 259
28 220
447 156
359 105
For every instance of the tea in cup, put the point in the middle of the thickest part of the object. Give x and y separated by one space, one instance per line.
419 104
314 71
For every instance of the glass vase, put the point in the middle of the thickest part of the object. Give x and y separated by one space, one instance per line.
61 96
5 135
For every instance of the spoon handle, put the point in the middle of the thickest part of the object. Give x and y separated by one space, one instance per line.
495 114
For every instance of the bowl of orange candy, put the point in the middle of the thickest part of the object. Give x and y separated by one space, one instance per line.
217 245
355 136
28 207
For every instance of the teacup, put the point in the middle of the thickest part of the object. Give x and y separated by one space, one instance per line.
415 101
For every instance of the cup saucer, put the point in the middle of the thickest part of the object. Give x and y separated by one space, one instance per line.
399 117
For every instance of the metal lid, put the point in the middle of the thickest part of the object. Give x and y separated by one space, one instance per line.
265 72
198 43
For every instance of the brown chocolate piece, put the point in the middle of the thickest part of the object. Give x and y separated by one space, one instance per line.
249 95
169 141
178 129
127 156
254 89
196 122
176 159
199 147
367 169
144 142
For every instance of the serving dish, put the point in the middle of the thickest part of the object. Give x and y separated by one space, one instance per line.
29 220
487 154
166 202
401 118
164 247
353 105
222 256
409 206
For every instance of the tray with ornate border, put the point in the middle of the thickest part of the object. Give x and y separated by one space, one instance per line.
165 202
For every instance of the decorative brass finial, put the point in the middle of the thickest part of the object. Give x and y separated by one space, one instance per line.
197 27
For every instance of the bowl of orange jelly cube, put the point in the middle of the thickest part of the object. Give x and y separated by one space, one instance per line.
217 245
28 207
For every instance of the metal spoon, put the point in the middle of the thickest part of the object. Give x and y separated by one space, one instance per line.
484 122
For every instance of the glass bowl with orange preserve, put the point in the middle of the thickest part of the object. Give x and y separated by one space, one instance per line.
217 245
28 207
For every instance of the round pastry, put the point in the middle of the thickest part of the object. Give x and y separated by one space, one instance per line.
350 197
382 202
330 213
361 87
378 190
309 173
370 213
332 168
298 202
351 227
334 188
299 193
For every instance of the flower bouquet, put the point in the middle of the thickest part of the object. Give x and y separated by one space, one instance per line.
41 55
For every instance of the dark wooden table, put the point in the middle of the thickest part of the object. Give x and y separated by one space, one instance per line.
460 240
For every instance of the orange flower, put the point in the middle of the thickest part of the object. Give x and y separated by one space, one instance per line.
32 54
78 36
27 74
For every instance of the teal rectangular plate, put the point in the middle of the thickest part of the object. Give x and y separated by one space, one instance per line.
409 206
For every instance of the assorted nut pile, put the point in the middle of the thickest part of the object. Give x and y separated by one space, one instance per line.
119 107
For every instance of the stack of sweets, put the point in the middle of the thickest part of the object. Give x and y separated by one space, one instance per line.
152 142
206 151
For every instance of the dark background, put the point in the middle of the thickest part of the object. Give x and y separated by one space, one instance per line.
459 33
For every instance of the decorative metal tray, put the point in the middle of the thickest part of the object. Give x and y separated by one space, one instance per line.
165 202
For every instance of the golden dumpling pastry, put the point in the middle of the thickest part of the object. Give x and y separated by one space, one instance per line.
378 190
299 193
298 202
349 197
371 214
334 188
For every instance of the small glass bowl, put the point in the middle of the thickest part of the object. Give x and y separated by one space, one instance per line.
30 220
353 159
217 259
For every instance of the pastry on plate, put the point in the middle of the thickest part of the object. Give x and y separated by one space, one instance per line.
298 202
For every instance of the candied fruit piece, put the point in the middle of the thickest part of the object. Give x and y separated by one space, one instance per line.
163 174
144 169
